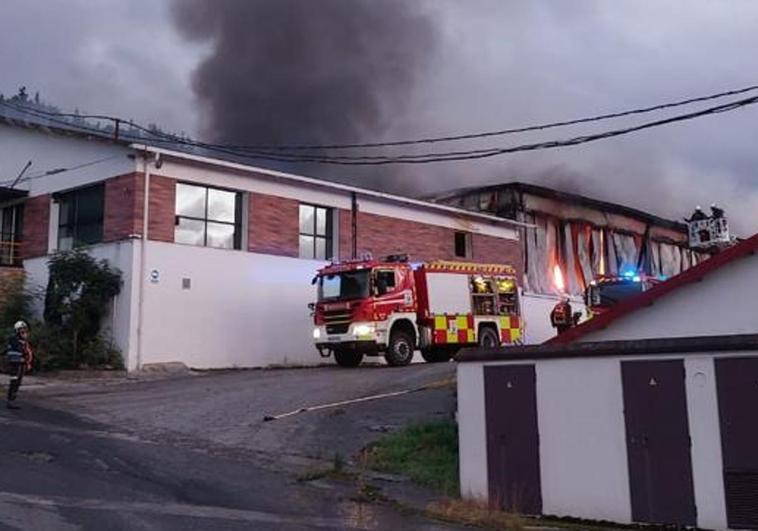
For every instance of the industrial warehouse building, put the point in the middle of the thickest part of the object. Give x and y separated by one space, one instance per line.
580 238
217 256
643 414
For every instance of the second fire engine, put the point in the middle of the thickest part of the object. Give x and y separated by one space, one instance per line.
391 307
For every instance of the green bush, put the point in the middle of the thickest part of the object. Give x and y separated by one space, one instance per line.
79 291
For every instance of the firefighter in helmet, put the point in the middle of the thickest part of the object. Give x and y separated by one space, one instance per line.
19 357
562 317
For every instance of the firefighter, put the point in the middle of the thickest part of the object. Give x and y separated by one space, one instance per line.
561 317
19 357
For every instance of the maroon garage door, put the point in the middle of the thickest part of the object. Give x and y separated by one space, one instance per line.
737 385
513 464
658 442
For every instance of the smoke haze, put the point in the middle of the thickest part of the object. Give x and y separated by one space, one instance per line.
294 71
330 71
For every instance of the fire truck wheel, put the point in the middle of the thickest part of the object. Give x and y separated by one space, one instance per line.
348 358
400 349
488 338
436 355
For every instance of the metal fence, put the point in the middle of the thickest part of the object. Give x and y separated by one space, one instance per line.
9 251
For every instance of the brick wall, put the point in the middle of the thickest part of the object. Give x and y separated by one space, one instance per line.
124 203
381 236
36 226
11 282
273 225
162 210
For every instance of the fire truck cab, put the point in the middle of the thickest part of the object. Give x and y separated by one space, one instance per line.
391 307
606 291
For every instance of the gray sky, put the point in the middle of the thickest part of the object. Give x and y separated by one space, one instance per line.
494 64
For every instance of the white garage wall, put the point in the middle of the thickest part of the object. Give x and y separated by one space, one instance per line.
121 320
705 433
583 459
472 432
242 310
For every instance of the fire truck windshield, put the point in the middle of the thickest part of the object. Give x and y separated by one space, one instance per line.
344 286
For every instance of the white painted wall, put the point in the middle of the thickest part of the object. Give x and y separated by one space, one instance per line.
472 432
583 457
724 302
535 309
705 432
580 415
121 320
52 151
243 309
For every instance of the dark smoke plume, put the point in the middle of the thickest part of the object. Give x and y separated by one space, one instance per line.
305 71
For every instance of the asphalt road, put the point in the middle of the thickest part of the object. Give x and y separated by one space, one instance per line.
194 452
226 409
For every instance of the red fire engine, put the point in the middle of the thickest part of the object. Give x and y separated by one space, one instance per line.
391 307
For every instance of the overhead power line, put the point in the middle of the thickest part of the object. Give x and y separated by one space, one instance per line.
501 132
158 136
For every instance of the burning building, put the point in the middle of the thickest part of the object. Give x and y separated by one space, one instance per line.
576 239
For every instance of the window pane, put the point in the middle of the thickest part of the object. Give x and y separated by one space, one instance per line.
461 247
190 200
221 205
220 235
306 219
89 206
321 221
306 246
65 238
190 231
88 234
66 210
320 249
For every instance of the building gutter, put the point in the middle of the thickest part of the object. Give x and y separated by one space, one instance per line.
143 256
335 186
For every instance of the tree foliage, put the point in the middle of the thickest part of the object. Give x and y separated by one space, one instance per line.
79 292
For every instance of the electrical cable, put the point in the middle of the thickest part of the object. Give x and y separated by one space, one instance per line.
409 159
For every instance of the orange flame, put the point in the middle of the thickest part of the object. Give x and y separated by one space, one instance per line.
560 284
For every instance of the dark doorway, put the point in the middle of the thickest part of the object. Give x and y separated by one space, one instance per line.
513 464
658 442
737 388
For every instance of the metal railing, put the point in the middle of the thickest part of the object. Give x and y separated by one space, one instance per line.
9 252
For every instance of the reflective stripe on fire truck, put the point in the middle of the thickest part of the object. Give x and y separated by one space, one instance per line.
453 329
466 267
510 329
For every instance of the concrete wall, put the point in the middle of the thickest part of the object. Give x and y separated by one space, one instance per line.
583 456
472 431
580 416
696 309
242 309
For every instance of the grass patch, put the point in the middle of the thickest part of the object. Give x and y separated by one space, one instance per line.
426 453
472 513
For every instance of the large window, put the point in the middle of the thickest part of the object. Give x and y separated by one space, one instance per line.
208 216
10 234
80 218
315 232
